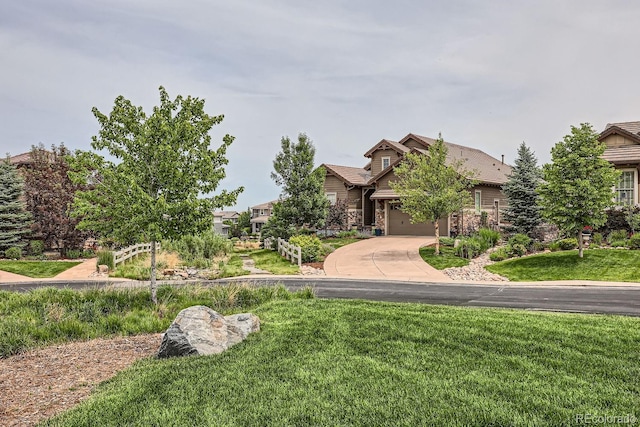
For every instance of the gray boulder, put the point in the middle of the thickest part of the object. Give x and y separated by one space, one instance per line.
199 330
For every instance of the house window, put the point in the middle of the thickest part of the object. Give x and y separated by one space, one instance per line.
386 161
261 212
332 197
478 200
625 188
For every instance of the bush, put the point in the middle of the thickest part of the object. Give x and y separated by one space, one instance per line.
310 247
447 241
538 246
105 258
568 244
469 247
74 254
36 247
597 238
554 246
491 237
619 243
517 249
616 236
520 239
634 241
13 253
194 248
325 250
499 254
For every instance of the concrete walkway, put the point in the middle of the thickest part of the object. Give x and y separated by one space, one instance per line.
388 257
81 271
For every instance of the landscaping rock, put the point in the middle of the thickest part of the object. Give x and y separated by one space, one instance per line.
103 268
475 271
199 330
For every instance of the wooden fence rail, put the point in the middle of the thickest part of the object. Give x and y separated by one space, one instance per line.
133 250
289 251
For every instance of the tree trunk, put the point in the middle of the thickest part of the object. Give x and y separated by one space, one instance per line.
437 230
154 286
580 244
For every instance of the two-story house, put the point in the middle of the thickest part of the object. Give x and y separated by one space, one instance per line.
372 203
221 220
260 215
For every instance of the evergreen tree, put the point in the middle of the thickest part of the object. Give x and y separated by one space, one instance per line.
523 210
14 219
303 201
577 184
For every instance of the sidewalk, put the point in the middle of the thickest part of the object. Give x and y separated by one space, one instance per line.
81 271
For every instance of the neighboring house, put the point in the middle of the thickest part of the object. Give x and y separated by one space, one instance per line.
623 151
260 215
372 203
219 220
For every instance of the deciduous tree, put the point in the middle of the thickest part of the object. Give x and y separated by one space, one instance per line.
49 194
430 188
523 210
14 219
165 173
577 183
303 202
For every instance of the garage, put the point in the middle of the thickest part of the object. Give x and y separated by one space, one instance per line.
400 224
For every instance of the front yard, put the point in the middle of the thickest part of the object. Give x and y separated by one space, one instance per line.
37 269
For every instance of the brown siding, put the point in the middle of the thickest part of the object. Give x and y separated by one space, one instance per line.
355 198
412 143
376 160
333 184
488 195
383 183
614 141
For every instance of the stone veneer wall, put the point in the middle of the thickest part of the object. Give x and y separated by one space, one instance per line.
354 217
380 220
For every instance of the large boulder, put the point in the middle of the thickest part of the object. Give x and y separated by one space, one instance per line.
199 330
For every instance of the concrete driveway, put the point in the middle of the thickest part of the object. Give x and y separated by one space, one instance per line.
388 257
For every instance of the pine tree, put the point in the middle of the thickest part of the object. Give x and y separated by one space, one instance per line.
14 220
523 210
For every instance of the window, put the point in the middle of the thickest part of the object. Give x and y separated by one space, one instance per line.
478 200
261 212
386 161
332 197
625 188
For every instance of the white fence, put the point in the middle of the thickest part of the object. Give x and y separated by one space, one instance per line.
289 251
133 250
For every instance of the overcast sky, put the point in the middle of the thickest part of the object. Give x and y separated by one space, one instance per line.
348 73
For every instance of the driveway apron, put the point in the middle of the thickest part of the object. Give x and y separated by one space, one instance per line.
385 258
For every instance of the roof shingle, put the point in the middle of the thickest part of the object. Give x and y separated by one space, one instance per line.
351 175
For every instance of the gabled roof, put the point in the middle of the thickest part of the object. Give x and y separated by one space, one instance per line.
630 130
487 169
267 205
385 171
20 159
386 144
622 155
348 174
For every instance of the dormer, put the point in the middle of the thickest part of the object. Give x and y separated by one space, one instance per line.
384 154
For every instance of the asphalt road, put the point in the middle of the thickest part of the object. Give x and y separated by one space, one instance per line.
624 300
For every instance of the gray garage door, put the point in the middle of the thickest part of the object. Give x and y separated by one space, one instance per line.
400 224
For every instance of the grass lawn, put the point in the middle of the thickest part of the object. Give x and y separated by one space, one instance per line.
446 259
338 242
273 262
232 267
37 269
598 264
323 362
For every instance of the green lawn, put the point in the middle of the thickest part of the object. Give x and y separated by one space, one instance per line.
446 259
37 269
329 363
598 264
338 242
273 262
232 267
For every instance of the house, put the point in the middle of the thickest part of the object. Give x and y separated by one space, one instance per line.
623 151
260 215
373 204
220 220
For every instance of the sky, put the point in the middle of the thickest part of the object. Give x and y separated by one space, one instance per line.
488 75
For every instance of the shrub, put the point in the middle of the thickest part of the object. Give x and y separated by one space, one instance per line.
74 254
568 244
618 243
346 234
517 249
13 253
616 236
447 241
36 247
499 254
105 258
490 236
520 239
310 247
325 250
197 247
469 247
634 241
597 238
554 246
538 246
